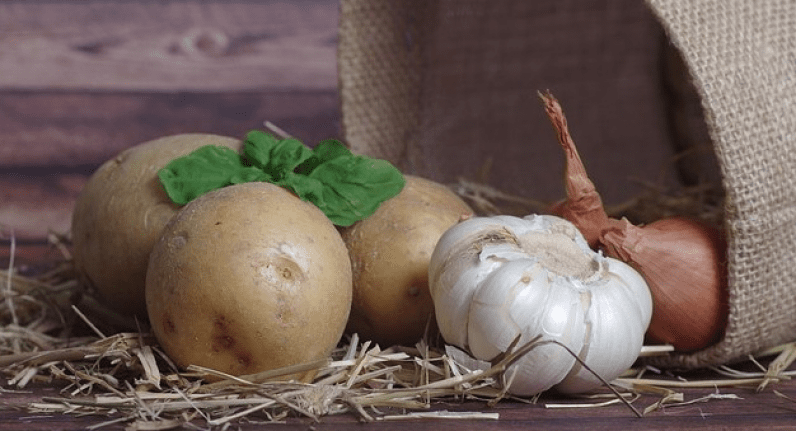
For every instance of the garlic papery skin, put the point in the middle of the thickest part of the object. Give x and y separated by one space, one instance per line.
497 279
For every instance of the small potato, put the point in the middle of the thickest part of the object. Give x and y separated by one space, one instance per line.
120 214
248 278
390 253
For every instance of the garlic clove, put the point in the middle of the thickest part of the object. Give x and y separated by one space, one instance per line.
617 312
456 295
456 268
523 299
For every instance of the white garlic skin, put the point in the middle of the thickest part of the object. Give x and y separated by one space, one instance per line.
494 278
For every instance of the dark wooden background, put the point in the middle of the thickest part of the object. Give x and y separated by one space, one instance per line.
81 81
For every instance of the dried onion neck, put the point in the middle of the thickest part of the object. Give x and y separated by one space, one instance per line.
682 260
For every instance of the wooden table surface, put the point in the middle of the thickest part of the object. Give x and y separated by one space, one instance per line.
754 412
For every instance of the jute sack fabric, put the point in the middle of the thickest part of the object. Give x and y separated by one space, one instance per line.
447 88
741 55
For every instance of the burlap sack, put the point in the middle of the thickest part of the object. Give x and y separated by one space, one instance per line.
440 86
742 55
444 87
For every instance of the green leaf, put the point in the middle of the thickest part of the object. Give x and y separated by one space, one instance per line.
274 156
355 186
207 168
323 152
346 187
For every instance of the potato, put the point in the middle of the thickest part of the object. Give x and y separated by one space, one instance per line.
248 278
120 214
390 253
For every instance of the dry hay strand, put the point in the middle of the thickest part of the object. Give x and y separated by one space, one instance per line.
127 377
54 333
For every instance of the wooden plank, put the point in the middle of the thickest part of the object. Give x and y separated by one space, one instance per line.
74 128
30 258
37 203
52 141
168 45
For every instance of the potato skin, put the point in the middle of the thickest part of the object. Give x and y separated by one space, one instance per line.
390 253
248 278
120 214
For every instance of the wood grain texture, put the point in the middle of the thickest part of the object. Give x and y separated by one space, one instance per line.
53 141
168 45
35 203
74 128
82 81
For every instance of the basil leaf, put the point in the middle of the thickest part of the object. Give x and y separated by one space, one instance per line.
206 168
355 187
346 187
323 152
306 188
274 156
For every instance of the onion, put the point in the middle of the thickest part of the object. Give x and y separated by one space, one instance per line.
682 260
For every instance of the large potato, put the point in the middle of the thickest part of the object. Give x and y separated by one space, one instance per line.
248 278
390 253
120 214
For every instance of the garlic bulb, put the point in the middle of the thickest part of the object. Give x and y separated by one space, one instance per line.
494 279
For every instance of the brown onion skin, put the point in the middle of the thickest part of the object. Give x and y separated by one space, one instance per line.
682 260
684 263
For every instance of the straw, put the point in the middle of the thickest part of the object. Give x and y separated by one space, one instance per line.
54 331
